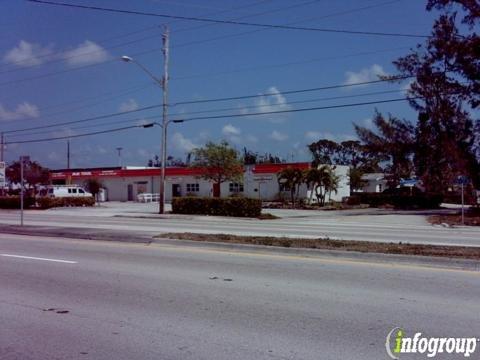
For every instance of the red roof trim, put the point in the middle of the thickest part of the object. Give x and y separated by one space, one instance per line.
276 168
171 171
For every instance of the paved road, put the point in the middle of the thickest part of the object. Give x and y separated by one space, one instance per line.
354 225
130 301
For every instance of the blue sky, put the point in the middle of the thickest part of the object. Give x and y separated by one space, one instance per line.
60 64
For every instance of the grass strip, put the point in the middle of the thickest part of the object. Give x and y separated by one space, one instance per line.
460 252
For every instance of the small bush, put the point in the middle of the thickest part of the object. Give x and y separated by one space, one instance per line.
399 201
353 200
233 206
13 202
47 202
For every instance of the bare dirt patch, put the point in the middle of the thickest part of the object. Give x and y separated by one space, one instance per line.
463 252
472 218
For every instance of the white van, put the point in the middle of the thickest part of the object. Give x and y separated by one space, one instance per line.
67 191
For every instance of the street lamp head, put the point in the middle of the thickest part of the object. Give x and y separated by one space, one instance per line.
126 58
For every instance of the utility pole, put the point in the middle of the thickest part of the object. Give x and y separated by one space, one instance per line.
3 146
68 154
23 160
165 39
119 150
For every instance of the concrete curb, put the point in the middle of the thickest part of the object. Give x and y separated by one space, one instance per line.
131 237
77 233
392 259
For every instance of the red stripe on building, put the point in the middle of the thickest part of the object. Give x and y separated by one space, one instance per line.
170 171
276 168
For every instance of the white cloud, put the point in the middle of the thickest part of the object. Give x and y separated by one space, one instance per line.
128 105
268 103
144 153
364 75
101 150
368 123
23 110
230 130
53 156
347 137
318 135
278 136
407 86
204 135
182 143
28 54
69 132
86 53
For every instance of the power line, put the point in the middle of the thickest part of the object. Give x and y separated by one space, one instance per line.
116 122
84 120
207 101
228 36
329 87
279 65
230 22
73 136
298 110
58 54
218 110
179 45
218 117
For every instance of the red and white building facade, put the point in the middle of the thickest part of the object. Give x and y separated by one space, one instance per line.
126 183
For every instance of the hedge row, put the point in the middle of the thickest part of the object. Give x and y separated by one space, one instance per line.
417 201
47 202
13 202
233 206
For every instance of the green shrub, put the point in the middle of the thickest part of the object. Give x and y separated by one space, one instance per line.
399 201
13 202
232 206
47 202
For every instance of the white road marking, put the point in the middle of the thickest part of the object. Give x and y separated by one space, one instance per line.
38 258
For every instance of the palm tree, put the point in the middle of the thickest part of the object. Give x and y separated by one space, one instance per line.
322 181
291 178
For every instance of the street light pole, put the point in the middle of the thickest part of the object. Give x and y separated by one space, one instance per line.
164 85
165 50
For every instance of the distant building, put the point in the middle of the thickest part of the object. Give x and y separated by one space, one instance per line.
374 182
126 183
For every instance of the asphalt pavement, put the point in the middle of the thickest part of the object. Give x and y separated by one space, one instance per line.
367 225
74 299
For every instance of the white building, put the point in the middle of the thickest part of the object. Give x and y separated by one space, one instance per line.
374 182
125 184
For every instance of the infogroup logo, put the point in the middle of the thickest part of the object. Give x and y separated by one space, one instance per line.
398 343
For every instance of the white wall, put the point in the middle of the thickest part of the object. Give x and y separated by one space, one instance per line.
259 186
342 171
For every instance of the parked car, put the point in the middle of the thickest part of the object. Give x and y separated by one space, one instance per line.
67 191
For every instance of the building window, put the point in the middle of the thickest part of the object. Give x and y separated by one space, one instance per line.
236 188
193 188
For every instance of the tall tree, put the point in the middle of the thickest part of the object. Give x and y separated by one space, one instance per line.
393 141
323 152
291 178
93 185
322 181
33 173
218 162
445 92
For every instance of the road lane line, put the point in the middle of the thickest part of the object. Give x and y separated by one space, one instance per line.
38 258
